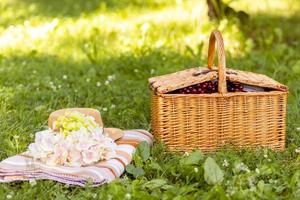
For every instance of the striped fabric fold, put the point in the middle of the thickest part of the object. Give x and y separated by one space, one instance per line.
23 167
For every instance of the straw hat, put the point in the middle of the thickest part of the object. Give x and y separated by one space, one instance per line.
113 133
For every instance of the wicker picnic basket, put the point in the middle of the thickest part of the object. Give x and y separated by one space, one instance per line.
209 121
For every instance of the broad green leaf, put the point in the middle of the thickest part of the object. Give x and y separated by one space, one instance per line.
192 159
167 187
266 170
138 161
155 183
260 185
130 168
212 172
295 178
143 150
155 165
135 171
139 172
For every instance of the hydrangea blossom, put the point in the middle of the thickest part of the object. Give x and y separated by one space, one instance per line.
79 142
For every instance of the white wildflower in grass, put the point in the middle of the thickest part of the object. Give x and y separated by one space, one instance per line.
88 80
242 167
257 171
252 188
111 78
16 137
298 129
59 86
98 84
112 106
152 71
32 182
75 91
65 77
159 43
79 141
269 160
140 42
136 70
273 181
106 82
251 181
127 196
231 191
187 40
186 153
52 86
196 170
145 27
225 163
297 150
86 45
104 109
109 197
10 195
265 155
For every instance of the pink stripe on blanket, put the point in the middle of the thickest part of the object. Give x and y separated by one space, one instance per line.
138 135
145 133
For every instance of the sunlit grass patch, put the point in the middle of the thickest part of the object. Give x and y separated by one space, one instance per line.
281 8
176 26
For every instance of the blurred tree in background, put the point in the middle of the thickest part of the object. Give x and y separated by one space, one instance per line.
218 10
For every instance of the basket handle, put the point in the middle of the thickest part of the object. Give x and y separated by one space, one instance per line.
216 36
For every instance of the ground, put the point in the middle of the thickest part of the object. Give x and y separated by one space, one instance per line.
99 54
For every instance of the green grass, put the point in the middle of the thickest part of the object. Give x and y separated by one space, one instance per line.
92 42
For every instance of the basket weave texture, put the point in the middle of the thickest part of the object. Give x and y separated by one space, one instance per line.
209 121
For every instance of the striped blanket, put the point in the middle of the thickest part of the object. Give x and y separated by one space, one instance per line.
23 167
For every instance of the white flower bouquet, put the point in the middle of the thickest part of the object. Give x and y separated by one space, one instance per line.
75 140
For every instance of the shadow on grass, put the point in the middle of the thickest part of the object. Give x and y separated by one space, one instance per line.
38 85
267 29
19 11
71 8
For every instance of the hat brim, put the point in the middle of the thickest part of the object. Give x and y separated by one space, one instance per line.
114 133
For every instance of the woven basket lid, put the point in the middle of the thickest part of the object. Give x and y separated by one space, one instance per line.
170 82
